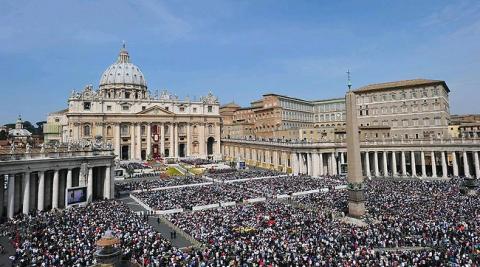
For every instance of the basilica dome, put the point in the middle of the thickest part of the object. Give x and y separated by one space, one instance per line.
123 73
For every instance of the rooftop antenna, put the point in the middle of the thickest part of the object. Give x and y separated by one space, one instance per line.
349 81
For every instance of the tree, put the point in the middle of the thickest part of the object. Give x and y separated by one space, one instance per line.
3 135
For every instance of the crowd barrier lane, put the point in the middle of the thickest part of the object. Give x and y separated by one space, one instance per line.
227 204
205 207
283 196
323 190
341 187
171 187
180 231
254 200
140 203
305 192
254 178
171 211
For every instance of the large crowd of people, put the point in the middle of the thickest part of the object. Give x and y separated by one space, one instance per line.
233 174
410 223
188 197
148 184
67 238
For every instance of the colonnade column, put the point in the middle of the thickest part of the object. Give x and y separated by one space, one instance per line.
55 190
424 169
404 164
434 164
334 164
455 164
26 192
444 165
412 162
69 178
90 185
149 140
466 168
41 191
11 196
2 193
477 165
375 162
385 165
309 164
162 140
315 164
367 165
320 156
394 164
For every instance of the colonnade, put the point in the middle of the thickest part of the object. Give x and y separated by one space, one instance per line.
46 189
381 161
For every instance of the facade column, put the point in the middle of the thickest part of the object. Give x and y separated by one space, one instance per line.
11 196
385 165
189 141
404 163
162 140
477 165
171 139
149 140
334 164
41 191
90 185
375 162
322 170
434 164
116 143
368 174
176 140
444 165
394 164
106 183
2 193
413 166
424 169
132 141
69 178
455 164
138 146
466 168
26 192
55 190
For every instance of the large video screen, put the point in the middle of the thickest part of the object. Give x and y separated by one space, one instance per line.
76 195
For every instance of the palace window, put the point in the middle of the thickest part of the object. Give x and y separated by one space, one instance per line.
194 110
86 130
109 108
125 108
127 95
124 130
86 105
109 130
210 109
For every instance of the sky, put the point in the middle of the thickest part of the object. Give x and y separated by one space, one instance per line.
239 50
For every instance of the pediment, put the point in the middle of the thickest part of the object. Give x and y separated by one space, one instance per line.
155 110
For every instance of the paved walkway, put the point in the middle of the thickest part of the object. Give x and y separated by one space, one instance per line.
9 251
161 227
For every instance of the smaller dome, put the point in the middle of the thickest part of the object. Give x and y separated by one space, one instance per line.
123 72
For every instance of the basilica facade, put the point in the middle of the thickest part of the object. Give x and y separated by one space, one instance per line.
139 125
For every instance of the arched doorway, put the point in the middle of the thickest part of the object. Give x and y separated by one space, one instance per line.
210 142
